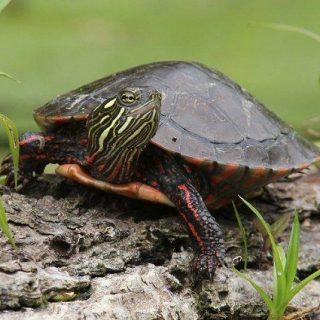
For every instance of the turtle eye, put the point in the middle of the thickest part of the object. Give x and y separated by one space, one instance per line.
128 97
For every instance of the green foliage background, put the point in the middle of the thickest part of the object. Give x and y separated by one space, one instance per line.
55 46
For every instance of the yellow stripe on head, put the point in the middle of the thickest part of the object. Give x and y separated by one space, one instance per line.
110 103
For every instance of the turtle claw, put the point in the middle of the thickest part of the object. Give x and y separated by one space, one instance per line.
204 264
9 182
7 170
6 165
22 182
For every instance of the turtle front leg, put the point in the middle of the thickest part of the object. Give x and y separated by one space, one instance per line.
203 228
32 161
168 174
39 149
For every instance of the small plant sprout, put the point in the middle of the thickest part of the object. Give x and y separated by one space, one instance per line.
284 269
243 236
4 225
13 137
277 228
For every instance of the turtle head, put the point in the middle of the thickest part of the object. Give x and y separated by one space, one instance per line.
118 131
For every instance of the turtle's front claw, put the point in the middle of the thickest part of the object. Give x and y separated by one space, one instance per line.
7 170
21 183
204 265
6 165
9 181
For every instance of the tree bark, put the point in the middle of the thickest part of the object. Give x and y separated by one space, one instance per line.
84 254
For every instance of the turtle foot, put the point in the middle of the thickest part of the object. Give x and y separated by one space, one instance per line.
204 265
6 169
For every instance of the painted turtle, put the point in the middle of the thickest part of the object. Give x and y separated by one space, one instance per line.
207 141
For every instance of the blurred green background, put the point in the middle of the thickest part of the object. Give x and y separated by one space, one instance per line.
54 46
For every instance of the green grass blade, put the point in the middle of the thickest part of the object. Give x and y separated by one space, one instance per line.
279 291
267 228
259 289
3 4
6 75
276 228
293 252
300 286
280 225
282 255
243 235
13 137
275 285
4 225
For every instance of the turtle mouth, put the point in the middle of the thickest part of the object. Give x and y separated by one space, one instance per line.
153 103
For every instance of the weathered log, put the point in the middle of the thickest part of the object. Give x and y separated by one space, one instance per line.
83 254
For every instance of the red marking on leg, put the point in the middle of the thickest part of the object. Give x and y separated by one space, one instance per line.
41 156
25 157
193 230
196 235
194 211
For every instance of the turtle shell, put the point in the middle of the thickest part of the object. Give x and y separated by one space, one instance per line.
205 116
